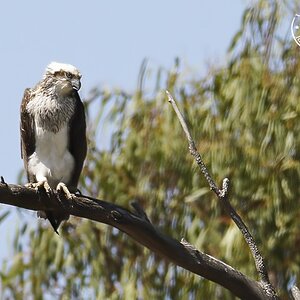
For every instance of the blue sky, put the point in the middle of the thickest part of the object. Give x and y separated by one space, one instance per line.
107 41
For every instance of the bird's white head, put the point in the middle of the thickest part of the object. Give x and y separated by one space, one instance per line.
64 72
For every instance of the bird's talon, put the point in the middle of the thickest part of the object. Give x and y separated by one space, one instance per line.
30 185
39 186
62 188
47 188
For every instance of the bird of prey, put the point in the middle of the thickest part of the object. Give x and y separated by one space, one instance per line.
53 133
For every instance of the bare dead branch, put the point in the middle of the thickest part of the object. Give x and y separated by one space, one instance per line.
222 195
192 146
295 293
140 229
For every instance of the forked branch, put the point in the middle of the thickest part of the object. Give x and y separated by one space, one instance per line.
222 195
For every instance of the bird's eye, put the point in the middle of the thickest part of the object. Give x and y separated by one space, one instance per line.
69 75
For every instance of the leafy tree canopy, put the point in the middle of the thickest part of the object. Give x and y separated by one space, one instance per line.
245 119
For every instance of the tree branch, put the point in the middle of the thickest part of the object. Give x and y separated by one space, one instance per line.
295 293
222 195
138 226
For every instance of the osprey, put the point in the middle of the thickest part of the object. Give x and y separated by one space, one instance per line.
53 133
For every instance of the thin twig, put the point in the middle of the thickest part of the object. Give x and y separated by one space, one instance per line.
222 195
192 146
2 180
295 293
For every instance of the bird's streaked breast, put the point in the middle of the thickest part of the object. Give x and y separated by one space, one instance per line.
50 112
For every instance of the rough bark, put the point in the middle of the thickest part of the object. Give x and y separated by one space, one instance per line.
137 225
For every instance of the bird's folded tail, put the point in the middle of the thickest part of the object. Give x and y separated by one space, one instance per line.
53 218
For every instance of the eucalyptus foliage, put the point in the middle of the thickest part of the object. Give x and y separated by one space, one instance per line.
244 117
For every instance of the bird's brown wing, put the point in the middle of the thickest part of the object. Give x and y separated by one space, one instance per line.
27 132
77 142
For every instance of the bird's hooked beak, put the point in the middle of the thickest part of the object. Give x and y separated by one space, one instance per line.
76 84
